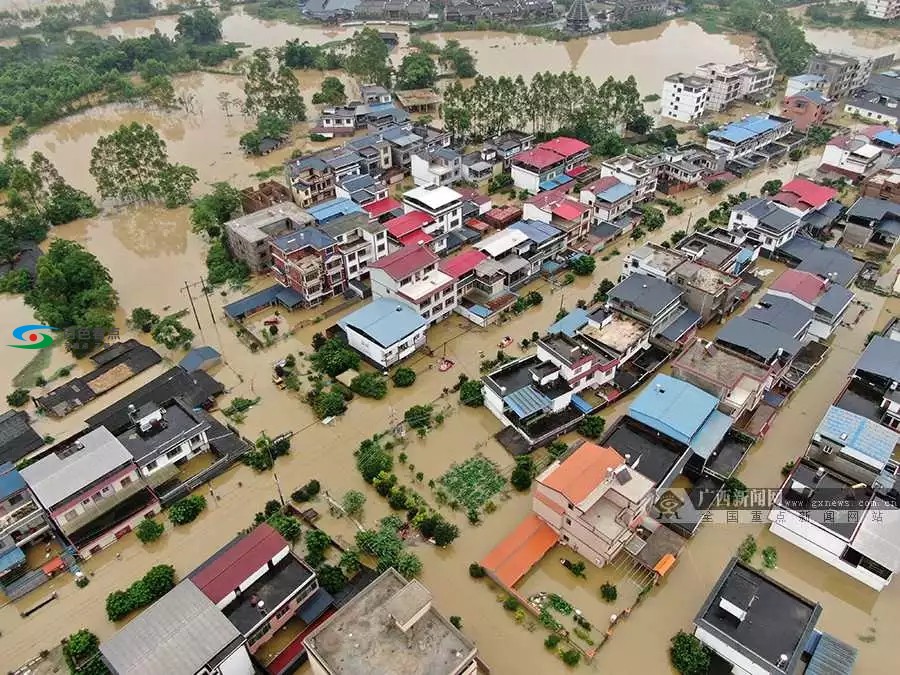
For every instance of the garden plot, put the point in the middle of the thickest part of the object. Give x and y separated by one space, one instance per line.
474 482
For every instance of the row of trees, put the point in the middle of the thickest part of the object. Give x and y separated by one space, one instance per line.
783 31
550 102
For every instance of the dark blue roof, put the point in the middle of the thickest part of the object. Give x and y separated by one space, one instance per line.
535 230
11 481
681 325
831 657
785 314
308 236
197 357
252 302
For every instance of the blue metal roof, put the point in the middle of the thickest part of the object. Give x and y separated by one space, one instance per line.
615 193
332 209
745 255
11 558
197 357
673 407
831 657
315 607
252 302
527 401
384 321
562 179
10 480
581 404
870 441
571 323
548 185
888 136
289 297
707 439
308 236
742 130
535 230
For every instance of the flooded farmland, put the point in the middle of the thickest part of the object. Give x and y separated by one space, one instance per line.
151 253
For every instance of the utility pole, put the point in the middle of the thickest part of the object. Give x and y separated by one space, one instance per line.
274 473
191 298
208 304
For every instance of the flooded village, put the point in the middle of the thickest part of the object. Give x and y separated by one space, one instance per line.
510 402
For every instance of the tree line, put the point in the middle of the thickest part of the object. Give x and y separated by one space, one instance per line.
550 102
783 32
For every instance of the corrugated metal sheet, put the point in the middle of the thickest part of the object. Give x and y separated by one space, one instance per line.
526 401
831 657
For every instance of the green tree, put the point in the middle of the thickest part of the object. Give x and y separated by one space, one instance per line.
445 533
353 502
418 416
81 651
72 288
370 385
329 404
334 357
408 564
17 398
214 209
287 526
131 9
592 426
404 377
417 71
372 459
132 164
471 393
368 58
331 92
186 510
159 580
584 265
771 187
652 219
522 474
222 266
169 331
274 91
200 27
459 57
331 578
689 656
149 530
350 562
677 236
818 135
716 186
300 55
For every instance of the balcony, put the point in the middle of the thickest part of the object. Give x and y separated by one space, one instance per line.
97 509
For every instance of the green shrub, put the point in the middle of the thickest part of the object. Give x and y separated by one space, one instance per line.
287 526
476 571
404 377
523 474
186 510
419 416
456 621
82 581
353 502
770 557
149 530
331 578
18 398
510 604
158 581
592 426
552 641
688 655
369 385
471 393
584 265
307 492
571 657
609 592
747 549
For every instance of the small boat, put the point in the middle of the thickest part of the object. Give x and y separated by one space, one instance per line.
445 365
505 342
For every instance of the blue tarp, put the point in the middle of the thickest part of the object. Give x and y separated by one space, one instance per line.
581 404
562 179
480 310
197 357
551 267
548 185
707 439
240 308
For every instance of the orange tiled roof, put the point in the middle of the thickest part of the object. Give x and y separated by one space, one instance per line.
581 473
520 551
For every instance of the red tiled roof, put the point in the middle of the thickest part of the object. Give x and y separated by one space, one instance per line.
802 285
569 210
564 145
382 206
804 192
521 550
416 237
462 263
402 263
477 225
547 198
576 171
233 564
539 158
408 222
601 184
583 471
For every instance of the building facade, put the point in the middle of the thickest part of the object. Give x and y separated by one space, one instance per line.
685 97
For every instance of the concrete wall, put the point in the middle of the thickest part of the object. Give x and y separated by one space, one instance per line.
237 663
742 665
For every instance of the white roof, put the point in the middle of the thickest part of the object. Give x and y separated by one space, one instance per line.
434 197
54 479
868 151
505 240
426 285
878 536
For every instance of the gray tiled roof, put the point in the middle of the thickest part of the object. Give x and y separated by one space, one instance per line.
647 294
17 438
180 633
834 299
881 357
821 260
870 208
756 338
782 313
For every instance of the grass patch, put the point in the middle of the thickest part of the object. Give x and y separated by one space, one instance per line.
473 482
29 374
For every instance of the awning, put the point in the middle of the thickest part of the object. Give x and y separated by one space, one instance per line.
316 606
548 185
707 439
54 566
10 559
581 404
527 401
562 179
289 297
576 171
665 564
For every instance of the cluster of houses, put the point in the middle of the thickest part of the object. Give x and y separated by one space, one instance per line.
713 87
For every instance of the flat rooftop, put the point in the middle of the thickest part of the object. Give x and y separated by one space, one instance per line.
708 250
825 498
518 374
363 638
707 279
717 364
776 621
620 334
427 285
258 225
663 259
177 425
650 454
273 588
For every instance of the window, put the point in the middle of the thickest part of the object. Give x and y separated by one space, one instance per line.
568 521
172 454
15 499
126 481
152 465
70 515
284 610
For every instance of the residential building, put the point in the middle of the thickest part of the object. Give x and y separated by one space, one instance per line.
887 10
359 240
22 521
17 438
545 167
731 82
582 362
650 300
442 166
182 632
884 185
409 230
443 204
259 584
844 74
624 9
685 97
310 180
385 331
374 151
873 223
758 340
875 107
339 121
804 82
802 196
609 198
852 157
827 262
784 314
508 144
92 489
829 515
682 168
828 301
593 501
764 223
652 260
263 196
481 286
362 190
373 631
635 171
249 236
736 380
522 249
384 209
754 624
807 108
717 253
556 208
411 275
308 263
748 135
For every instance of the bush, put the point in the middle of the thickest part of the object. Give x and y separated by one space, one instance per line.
81 651
353 502
445 533
652 219
372 460
523 474
592 426
18 398
418 416
82 581
158 581
149 530
369 385
317 542
471 393
186 510
747 549
510 604
331 578
552 641
307 492
770 557
456 621
584 265
143 319
408 564
689 656
287 526
716 186
404 377
734 489
333 357
609 592
350 562
571 657
476 571
329 403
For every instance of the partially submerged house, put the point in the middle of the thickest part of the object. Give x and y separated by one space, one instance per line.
385 331
411 275
828 301
873 223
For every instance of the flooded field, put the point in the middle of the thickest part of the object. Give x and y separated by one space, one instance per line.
855 41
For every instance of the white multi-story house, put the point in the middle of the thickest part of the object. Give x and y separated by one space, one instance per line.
639 172
545 166
748 134
764 223
853 157
411 275
730 82
442 166
883 9
443 204
385 331
609 198
685 97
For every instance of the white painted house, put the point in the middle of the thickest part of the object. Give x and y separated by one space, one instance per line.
443 204
685 97
385 331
